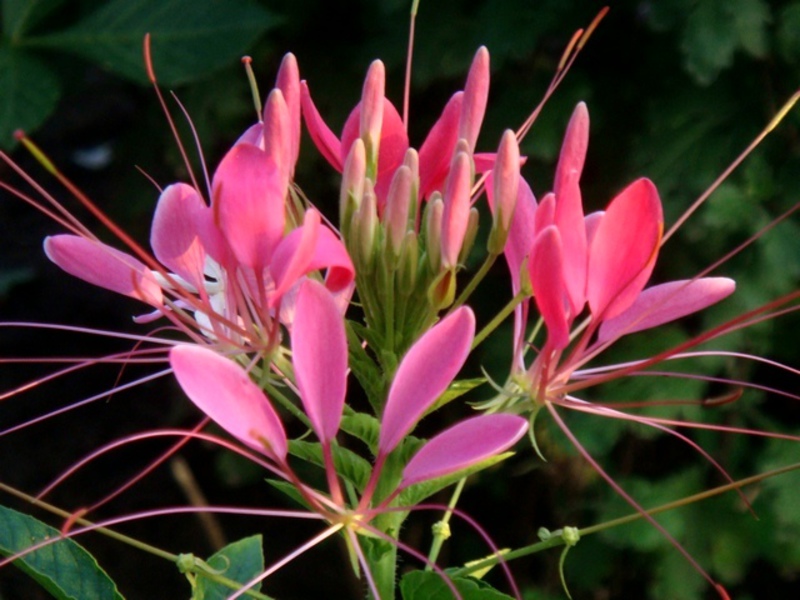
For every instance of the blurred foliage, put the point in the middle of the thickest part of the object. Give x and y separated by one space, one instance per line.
675 88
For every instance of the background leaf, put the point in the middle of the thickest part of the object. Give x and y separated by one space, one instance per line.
30 91
63 568
240 561
187 39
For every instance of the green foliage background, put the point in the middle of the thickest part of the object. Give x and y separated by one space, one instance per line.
675 88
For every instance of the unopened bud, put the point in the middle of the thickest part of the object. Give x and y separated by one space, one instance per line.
434 212
353 177
407 265
395 215
365 223
372 114
288 82
506 185
456 208
469 236
411 160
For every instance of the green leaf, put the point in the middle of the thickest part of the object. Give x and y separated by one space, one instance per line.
63 568
348 464
30 93
364 367
20 16
426 585
456 390
187 41
363 427
788 40
239 561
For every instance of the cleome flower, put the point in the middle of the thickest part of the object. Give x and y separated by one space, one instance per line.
222 269
225 392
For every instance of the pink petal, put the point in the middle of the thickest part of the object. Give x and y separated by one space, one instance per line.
521 233
278 137
248 201
463 445
624 249
174 234
424 374
545 214
666 302
436 151
319 355
570 222
104 266
293 255
288 82
546 268
324 139
223 390
476 95
573 150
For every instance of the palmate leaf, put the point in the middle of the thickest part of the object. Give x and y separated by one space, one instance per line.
189 39
240 561
30 91
63 568
348 464
427 585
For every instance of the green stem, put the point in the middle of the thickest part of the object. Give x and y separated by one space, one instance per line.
143 546
499 318
462 297
442 532
558 540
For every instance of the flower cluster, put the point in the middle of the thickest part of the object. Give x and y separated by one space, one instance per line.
261 288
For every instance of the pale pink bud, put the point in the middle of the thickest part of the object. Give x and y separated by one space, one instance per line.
372 113
506 185
456 209
355 169
433 230
365 220
469 236
395 216
476 95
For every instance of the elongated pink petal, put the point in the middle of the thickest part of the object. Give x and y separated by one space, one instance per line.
293 255
372 107
174 234
424 374
324 139
278 137
223 390
319 355
666 302
546 268
103 266
248 198
288 82
463 445
436 151
624 249
545 214
456 209
476 95
573 150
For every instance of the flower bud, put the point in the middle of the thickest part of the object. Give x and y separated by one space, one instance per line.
469 236
395 216
456 208
432 218
372 98
407 265
505 177
352 190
